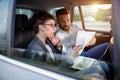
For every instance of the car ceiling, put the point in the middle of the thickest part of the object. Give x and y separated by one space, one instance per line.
40 4
48 4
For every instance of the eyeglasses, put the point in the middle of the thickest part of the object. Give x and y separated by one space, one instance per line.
52 25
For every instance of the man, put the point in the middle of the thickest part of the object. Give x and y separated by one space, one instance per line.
68 32
66 27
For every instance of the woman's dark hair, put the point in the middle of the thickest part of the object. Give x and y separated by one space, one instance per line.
42 17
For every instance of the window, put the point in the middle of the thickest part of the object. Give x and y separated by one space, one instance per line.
37 59
27 12
53 11
76 17
96 17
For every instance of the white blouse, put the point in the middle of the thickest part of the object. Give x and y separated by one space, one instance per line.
50 51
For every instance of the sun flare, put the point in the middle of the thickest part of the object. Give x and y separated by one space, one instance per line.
95 7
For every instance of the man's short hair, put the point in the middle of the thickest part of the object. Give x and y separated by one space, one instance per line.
62 11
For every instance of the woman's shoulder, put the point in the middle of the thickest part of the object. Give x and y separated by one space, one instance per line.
35 44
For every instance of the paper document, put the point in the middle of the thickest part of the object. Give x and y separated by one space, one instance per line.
82 63
83 38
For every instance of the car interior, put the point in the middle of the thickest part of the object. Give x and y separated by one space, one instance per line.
101 36
24 21
23 28
87 14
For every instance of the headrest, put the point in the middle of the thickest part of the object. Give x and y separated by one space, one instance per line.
21 22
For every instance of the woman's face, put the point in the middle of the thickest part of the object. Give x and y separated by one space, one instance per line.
49 28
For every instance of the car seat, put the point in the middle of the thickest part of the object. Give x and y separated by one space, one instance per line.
23 31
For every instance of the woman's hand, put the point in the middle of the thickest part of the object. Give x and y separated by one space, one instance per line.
75 50
56 41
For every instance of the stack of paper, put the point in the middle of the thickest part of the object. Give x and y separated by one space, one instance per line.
83 38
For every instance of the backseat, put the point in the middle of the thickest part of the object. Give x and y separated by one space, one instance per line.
23 32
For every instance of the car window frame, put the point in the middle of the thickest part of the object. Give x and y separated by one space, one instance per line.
9 22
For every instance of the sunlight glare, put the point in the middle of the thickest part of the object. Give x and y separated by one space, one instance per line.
95 7
105 6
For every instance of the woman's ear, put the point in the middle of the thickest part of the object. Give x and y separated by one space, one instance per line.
40 27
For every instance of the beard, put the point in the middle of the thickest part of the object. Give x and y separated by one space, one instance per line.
66 28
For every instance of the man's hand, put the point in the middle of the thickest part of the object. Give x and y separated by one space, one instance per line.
91 42
112 40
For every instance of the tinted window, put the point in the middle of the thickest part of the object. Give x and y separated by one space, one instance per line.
27 12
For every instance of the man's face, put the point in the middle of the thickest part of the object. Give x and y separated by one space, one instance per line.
64 22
